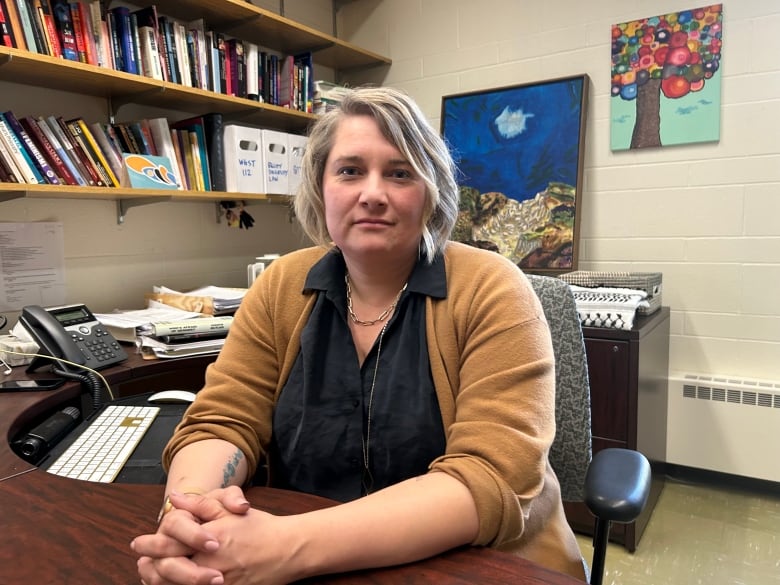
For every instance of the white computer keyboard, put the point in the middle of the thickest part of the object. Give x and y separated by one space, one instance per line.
105 445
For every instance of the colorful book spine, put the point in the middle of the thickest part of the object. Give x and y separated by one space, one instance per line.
63 150
47 148
124 39
112 154
34 154
166 34
192 57
223 63
6 176
30 38
102 158
184 178
189 163
83 161
135 44
15 22
99 32
148 35
213 60
48 27
65 30
23 161
6 32
180 45
141 139
214 130
79 36
10 162
197 138
80 131
197 161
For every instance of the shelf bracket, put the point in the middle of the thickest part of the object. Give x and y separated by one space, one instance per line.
229 26
124 205
219 212
10 195
119 101
5 59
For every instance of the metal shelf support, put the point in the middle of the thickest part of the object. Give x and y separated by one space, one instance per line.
123 205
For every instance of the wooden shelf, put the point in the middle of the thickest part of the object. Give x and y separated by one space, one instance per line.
10 191
122 88
237 18
242 20
127 198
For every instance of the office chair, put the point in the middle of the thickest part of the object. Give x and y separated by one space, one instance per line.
615 483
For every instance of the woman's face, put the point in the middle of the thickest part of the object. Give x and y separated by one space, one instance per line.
373 198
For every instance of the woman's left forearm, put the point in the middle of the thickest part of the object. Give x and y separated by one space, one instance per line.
412 520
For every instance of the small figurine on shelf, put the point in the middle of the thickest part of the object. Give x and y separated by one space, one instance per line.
236 215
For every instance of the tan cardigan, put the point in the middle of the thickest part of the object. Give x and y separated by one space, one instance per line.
493 368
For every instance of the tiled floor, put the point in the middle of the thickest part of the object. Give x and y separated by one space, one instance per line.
702 535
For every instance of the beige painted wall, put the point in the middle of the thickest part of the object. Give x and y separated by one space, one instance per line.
707 215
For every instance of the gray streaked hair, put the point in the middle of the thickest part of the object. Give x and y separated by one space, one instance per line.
403 124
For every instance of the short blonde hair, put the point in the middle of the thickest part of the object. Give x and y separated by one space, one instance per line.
403 124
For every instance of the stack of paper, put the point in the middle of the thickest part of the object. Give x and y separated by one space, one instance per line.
128 325
187 337
209 300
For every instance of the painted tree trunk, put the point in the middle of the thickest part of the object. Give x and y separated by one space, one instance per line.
647 129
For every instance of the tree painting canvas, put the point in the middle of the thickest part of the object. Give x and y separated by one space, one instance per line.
519 151
666 79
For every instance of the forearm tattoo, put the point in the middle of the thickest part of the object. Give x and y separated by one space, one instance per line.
230 468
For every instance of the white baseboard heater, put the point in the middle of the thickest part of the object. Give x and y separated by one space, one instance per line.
724 424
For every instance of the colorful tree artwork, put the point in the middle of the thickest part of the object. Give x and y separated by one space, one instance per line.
661 69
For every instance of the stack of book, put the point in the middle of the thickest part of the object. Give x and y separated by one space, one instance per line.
53 150
143 42
189 337
327 96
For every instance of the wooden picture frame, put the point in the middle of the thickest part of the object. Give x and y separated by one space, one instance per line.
520 151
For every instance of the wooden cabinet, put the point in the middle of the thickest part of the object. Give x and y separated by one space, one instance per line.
236 18
628 373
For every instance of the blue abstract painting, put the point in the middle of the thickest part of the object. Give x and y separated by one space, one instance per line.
519 152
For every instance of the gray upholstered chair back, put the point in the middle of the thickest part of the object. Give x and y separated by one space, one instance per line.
570 454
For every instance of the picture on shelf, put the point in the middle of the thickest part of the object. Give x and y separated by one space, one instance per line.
519 151
148 172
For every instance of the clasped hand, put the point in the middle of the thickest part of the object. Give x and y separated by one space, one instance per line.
215 539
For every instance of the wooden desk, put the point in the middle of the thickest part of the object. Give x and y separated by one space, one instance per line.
64 531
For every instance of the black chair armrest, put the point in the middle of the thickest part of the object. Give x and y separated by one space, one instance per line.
617 484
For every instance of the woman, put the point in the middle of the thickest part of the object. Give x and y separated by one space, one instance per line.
409 377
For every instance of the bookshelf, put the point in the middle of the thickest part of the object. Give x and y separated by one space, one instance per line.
236 18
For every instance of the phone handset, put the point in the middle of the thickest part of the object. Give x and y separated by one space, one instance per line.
51 336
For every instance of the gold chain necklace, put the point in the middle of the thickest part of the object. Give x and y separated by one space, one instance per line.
368 480
381 317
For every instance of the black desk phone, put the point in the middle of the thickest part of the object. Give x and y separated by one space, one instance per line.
72 333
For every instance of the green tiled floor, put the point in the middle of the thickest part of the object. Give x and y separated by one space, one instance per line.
702 535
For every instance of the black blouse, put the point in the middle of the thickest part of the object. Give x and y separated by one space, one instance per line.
321 418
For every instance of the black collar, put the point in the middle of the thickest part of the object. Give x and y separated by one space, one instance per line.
328 275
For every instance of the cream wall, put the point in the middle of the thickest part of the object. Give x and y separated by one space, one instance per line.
707 216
